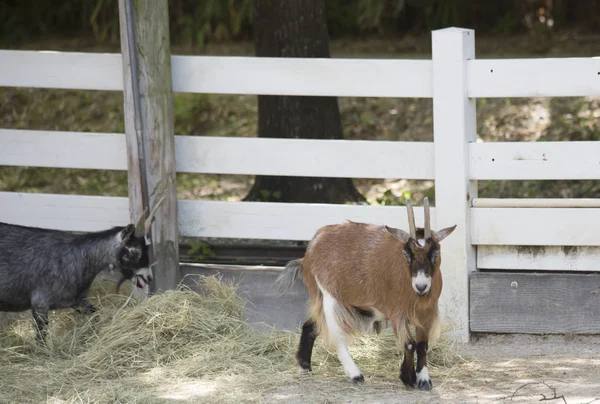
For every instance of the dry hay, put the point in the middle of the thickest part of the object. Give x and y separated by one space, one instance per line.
177 345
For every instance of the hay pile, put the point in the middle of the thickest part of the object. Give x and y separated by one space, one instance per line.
177 345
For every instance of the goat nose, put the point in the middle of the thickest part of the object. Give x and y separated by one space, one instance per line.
421 288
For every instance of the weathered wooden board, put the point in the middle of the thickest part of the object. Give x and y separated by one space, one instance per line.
541 77
540 258
535 226
219 155
149 129
534 303
256 286
534 160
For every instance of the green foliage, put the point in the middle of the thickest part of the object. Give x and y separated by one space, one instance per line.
442 14
198 22
388 198
200 250
201 21
191 22
269 196
370 12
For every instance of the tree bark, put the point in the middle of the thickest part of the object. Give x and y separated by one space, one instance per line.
297 28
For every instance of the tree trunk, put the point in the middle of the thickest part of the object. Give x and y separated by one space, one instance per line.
297 28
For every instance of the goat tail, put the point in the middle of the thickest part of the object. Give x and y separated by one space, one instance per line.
292 271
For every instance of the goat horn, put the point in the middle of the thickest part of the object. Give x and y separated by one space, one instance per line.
427 218
411 219
151 216
139 226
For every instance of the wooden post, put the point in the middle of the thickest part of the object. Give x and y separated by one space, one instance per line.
454 126
156 128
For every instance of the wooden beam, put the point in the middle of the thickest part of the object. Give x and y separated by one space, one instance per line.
535 226
153 77
535 303
541 77
226 74
454 126
536 202
539 258
226 155
534 160
253 220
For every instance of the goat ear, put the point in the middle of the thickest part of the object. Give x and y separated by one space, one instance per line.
438 236
126 233
408 256
400 234
434 256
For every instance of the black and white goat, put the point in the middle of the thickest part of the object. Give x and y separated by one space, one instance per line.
361 275
45 270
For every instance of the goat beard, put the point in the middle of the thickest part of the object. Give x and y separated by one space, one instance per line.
140 282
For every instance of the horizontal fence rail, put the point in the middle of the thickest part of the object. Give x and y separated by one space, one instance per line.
37 148
253 220
61 70
535 226
302 157
303 76
543 77
538 258
291 221
534 160
218 155
226 74
536 203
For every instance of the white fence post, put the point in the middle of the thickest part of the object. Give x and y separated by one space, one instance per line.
454 126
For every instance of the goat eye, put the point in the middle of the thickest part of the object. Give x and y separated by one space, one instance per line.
408 257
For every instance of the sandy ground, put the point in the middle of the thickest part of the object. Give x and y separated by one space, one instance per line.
499 368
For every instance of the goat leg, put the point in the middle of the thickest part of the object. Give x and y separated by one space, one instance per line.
407 369
423 380
40 318
83 305
307 341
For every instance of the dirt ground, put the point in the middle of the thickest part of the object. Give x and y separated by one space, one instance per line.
499 368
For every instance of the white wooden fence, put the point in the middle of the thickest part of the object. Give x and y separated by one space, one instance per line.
453 78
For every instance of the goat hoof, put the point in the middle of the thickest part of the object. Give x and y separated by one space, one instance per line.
305 368
408 381
408 384
86 308
358 379
425 385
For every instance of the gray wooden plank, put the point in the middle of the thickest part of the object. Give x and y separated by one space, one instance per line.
256 286
534 303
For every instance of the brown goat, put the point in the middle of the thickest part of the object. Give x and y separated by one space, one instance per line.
360 275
